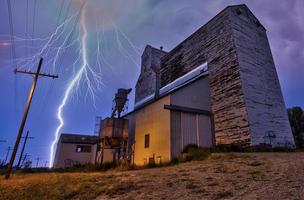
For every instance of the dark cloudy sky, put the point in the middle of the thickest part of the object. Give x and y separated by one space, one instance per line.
138 22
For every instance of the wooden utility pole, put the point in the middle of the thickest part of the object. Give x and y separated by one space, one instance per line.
24 158
45 163
37 163
8 150
28 104
2 160
23 147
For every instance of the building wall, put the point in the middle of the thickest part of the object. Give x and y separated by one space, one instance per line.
189 96
131 139
213 43
68 151
154 120
246 98
146 82
263 97
191 128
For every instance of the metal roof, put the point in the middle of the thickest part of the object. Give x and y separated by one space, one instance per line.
191 76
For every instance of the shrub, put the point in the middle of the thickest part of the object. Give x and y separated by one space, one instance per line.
230 148
108 165
189 146
193 152
175 161
152 165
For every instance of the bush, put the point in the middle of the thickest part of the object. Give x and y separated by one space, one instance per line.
193 152
175 161
230 148
189 146
152 165
262 147
108 165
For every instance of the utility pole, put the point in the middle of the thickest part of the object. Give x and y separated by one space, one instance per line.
1 162
45 163
24 158
28 104
24 143
2 141
37 162
8 150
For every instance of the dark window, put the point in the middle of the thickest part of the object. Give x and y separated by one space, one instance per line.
147 141
83 148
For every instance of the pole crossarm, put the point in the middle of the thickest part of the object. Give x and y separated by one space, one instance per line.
26 110
34 73
28 137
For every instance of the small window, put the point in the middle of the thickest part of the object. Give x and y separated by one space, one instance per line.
147 141
83 148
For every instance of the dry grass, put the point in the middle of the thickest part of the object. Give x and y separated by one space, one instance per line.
222 176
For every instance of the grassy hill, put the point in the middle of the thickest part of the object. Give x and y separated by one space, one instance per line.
222 176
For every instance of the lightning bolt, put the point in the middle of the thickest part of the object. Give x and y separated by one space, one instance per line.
72 84
53 48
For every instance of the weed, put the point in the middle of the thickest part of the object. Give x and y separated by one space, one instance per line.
254 163
223 195
122 188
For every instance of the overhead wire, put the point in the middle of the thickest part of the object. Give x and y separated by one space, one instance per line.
13 61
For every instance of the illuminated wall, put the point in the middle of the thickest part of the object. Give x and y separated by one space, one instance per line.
154 120
67 151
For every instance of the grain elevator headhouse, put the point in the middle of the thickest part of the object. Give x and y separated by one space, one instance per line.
235 99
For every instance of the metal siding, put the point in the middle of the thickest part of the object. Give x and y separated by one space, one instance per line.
189 128
176 141
205 131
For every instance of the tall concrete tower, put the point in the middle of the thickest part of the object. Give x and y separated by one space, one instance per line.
246 98
150 63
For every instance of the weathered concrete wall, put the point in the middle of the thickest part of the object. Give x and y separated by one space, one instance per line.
150 60
246 98
214 43
263 96
68 151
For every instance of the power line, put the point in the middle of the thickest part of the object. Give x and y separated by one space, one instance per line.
10 20
13 51
33 23
26 26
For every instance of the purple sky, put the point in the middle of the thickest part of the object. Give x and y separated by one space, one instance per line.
155 22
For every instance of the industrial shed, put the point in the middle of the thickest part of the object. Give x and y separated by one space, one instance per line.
163 125
75 149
